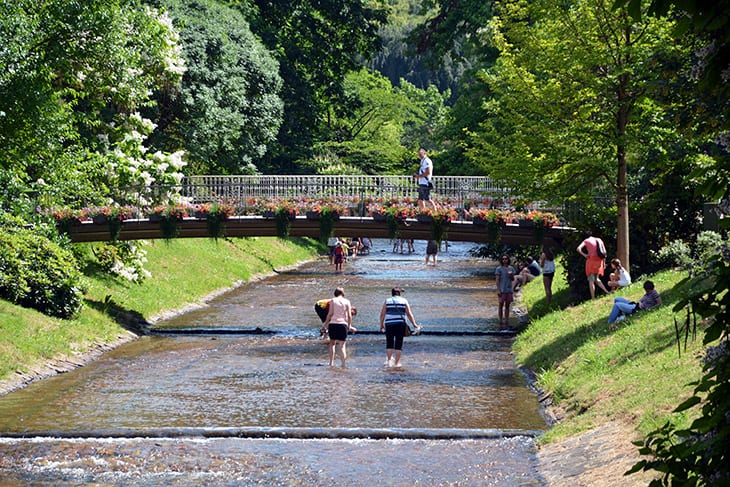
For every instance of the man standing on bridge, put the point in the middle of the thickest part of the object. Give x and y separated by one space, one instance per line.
424 175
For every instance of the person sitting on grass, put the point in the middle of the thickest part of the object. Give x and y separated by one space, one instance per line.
619 277
623 307
529 272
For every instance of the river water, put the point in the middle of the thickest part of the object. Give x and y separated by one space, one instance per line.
239 392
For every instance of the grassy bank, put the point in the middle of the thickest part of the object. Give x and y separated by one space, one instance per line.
183 271
632 373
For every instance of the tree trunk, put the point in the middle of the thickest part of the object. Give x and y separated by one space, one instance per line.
622 197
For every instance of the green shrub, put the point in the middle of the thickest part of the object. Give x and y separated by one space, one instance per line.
37 273
675 254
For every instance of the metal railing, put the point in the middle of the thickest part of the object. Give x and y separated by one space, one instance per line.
460 191
238 188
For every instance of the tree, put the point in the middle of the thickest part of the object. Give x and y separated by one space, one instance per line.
72 76
398 59
316 43
698 454
451 28
568 91
228 109
383 125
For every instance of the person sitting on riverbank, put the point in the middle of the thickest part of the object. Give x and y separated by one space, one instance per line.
623 307
619 277
529 272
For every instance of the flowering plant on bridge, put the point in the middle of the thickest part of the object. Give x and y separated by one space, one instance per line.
482 216
444 213
541 218
320 207
113 215
439 220
493 219
216 214
169 217
66 218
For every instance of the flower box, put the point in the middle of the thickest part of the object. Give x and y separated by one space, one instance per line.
268 214
99 219
478 221
380 217
421 218
312 215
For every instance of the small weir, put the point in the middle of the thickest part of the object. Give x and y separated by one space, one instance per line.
260 331
239 392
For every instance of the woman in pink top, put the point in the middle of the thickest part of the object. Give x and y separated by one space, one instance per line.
595 263
339 323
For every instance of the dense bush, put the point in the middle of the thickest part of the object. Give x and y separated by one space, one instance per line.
36 273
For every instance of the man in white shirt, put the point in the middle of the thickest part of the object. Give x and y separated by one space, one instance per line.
425 172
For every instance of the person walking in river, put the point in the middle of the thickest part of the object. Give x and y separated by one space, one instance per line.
432 251
339 323
504 275
393 323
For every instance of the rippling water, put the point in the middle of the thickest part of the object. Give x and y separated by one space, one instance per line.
280 379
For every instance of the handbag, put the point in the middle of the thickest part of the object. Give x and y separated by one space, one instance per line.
430 185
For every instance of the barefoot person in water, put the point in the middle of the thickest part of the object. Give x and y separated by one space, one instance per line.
393 323
339 323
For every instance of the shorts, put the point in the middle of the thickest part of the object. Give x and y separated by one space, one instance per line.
424 192
394 334
432 248
506 298
338 331
548 274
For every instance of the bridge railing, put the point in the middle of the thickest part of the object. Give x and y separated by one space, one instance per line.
352 187
462 191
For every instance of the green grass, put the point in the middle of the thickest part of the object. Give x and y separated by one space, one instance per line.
183 271
632 372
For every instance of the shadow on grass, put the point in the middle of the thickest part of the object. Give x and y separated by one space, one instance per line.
558 350
128 319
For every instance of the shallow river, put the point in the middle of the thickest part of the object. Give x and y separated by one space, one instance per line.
205 401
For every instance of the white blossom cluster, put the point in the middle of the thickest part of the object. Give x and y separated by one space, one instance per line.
131 165
129 262
172 57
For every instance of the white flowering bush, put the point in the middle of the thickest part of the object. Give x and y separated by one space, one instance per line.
130 165
124 259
